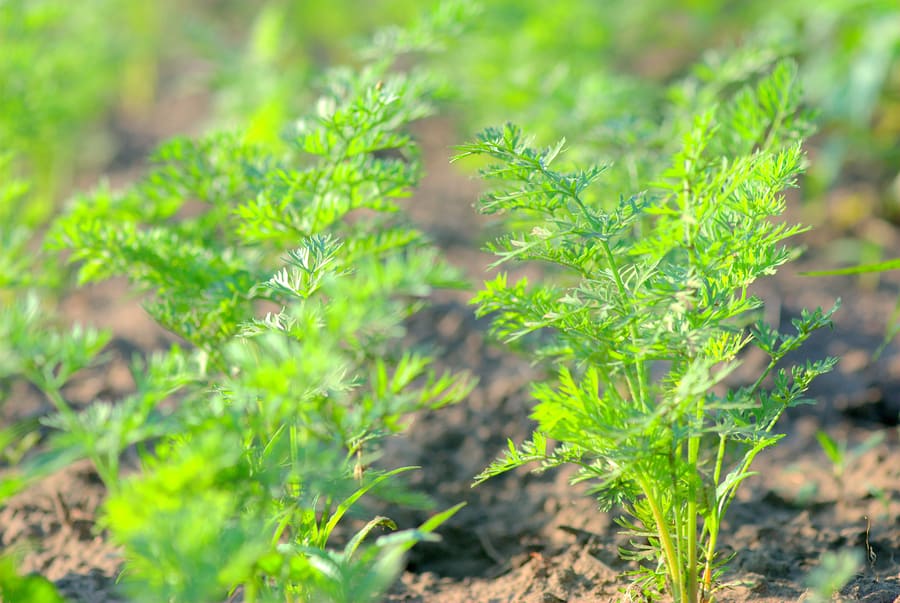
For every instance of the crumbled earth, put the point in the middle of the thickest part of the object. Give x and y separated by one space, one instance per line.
531 538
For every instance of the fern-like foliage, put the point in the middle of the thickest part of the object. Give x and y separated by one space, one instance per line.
288 269
650 308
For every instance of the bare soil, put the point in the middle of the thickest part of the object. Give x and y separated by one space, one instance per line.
534 538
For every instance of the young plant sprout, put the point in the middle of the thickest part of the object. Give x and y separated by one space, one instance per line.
646 315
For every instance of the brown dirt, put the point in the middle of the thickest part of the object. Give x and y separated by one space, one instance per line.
533 538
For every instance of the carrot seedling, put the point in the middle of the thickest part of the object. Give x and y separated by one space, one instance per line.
646 310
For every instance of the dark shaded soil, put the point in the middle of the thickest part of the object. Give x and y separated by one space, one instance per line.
534 538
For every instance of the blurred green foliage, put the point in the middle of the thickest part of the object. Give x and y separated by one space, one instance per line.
598 73
65 67
582 68
14 587
266 54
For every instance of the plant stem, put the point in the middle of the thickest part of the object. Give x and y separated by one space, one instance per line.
693 460
665 539
681 534
711 523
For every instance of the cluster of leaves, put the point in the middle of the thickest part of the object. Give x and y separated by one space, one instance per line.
289 271
650 311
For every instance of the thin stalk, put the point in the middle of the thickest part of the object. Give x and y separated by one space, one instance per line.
713 526
680 532
719 511
56 398
775 358
665 540
250 591
293 488
693 460
763 375
706 587
743 469
693 447
342 155
783 103
294 446
279 529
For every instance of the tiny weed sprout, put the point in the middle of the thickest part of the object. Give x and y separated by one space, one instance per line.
834 571
646 310
843 456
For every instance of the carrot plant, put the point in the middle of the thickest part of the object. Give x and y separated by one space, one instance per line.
648 310
287 271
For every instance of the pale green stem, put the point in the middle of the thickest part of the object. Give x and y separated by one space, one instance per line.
729 497
706 589
764 374
293 488
779 117
693 460
279 530
681 534
686 195
731 493
713 525
294 446
250 591
745 466
665 539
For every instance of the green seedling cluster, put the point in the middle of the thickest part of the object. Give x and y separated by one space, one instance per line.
270 451
279 258
647 313
288 271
